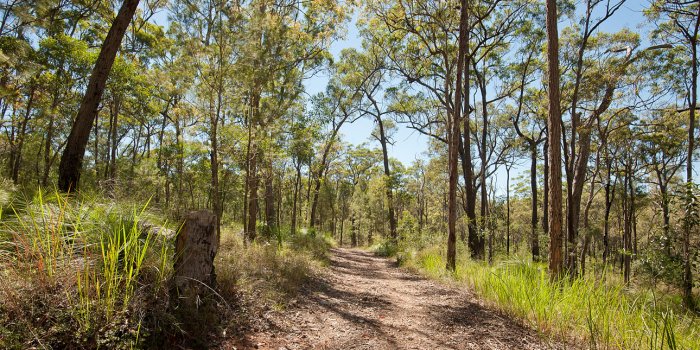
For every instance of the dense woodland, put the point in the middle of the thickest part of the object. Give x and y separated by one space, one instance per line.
202 104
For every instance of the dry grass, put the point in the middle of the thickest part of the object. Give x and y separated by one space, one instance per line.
269 272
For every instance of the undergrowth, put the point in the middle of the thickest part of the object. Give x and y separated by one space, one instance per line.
74 271
84 272
270 272
600 314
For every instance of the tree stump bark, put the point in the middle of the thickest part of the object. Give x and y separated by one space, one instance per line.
195 248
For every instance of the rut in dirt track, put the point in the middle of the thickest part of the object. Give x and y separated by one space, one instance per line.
366 302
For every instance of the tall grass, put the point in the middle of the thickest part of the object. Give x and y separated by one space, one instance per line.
83 262
604 315
86 272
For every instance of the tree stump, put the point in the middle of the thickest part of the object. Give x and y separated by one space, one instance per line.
195 248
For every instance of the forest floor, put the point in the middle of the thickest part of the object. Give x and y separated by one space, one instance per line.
366 302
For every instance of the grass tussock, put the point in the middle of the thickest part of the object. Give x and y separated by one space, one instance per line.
80 272
600 314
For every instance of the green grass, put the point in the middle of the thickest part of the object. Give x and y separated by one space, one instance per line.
602 315
75 268
82 271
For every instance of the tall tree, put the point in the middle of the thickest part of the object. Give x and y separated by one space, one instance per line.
453 138
70 168
682 24
554 137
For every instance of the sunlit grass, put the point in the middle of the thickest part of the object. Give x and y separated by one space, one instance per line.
83 261
603 315
82 271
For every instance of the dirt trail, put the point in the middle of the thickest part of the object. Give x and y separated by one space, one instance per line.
366 302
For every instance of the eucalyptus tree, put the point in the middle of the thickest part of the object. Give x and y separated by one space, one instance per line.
285 41
679 21
366 72
495 27
602 64
662 144
334 108
361 164
303 132
72 157
418 40
453 138
208 30
554 135
527 121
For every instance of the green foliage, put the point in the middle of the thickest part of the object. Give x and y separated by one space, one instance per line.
387 248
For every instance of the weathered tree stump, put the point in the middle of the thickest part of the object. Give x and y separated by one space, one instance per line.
195 248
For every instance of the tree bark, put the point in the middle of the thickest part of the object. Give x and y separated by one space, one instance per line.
545 191
692 104
318 176
534 239
196 246
389 182
16 157
474 240
270 215
507 210
251 224
554 138
453 137
297 186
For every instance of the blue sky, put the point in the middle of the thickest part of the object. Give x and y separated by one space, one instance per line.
408 144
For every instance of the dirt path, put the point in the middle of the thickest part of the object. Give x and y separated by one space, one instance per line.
365 302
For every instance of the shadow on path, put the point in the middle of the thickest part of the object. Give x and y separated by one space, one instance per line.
366 302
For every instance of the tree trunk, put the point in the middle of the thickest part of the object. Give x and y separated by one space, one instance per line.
507 210
47 148
474 240
195 249
353 236
246 189
688 227
297 185
545 195
628 211
18 147
252 171
586 222
484 202
534 239
453 137
113 125
389 182
554 138
609 198
318 176
214 163
270 215
72 159
251 223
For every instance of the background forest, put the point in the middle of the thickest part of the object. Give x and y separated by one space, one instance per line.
205 106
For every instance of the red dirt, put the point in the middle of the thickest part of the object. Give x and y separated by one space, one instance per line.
366 302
